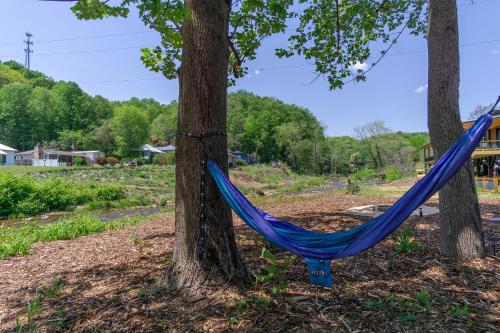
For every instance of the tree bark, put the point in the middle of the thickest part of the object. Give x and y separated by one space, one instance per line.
461 234
215 262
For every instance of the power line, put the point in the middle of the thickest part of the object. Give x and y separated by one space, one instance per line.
82 37
388 55
85 51
124 80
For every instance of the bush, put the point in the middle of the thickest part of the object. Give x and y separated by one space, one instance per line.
169 158
352 187
392 174
79 161
112 160
101 161
20 196
240 162
12 191
364 174
110 192
31 206
159 159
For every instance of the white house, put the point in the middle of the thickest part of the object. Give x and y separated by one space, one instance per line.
7 155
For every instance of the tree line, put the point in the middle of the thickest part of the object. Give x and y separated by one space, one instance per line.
36 109
270 130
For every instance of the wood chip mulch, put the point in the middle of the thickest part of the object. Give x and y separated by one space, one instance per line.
108 282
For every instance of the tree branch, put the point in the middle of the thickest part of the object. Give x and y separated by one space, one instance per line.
236 56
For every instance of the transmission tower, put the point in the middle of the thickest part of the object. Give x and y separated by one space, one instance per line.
28 50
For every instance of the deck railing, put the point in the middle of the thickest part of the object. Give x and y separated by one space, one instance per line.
487 183
489 144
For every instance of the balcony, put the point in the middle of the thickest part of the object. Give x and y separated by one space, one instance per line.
489 144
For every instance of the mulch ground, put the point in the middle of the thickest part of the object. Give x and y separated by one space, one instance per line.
108 282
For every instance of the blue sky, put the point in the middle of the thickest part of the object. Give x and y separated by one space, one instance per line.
395 91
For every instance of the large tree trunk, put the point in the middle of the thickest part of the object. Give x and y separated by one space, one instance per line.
202 109
461 235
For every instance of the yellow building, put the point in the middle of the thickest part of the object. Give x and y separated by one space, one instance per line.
486 157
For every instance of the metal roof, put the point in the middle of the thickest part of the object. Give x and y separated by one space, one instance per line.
5 148
2 152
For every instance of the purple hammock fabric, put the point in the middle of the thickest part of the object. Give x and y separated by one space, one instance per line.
319 248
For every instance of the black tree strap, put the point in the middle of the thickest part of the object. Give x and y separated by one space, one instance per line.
200 139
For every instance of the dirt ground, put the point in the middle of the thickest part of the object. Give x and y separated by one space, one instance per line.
106 282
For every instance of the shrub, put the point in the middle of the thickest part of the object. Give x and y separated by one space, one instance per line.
31 206
110 192
392 174
159 159
12 191
240 162
169 158
101 161
112 160
352 187
79 161
364 174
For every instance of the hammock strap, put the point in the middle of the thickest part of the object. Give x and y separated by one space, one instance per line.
494 105
204 158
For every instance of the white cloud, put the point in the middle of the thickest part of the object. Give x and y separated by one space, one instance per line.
421 89
359 67
495 52
257 72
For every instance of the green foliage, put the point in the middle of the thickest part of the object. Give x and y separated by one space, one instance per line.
364 174
272 130
392 173
131 127
21 196
18 240
424 300
460 311
352 187
110 192
406 242
273 271
79 161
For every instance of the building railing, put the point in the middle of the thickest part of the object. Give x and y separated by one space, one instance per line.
487 184
489 144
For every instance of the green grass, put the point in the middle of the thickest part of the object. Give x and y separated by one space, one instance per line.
15 241
146 185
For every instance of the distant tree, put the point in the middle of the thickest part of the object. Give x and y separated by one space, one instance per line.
103 138
16 124
43 116
372 135
101 110
9 75
69 139
131 129
479 111
289 136
72 106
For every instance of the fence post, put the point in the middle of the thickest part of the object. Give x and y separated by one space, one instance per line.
484 184
495 184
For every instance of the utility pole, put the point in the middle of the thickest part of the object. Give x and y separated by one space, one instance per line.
28 50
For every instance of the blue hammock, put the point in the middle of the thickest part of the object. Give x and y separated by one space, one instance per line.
319 248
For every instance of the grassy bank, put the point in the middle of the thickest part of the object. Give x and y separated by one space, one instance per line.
15 241
142 186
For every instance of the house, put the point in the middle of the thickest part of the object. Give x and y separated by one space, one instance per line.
232 160
54 157
7 155
90 155
147 151
249 159
166 149
486 157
